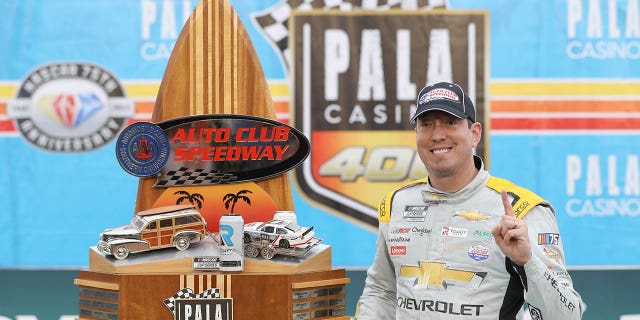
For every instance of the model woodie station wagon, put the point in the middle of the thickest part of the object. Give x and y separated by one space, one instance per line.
170 226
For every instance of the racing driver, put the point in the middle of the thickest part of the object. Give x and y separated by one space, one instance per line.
460 243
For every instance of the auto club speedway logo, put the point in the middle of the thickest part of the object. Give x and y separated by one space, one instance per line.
210 149
70 107
354 91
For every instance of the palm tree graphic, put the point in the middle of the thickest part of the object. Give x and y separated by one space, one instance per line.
195 198
232 199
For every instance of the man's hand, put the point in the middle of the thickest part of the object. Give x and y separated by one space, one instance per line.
512 235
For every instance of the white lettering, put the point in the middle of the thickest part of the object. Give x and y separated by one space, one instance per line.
439 68
614 31
618 184
166 29
149 12
594 20
632 176
574 15
380 112
573 173
405 89
595 25
593 179
168 26
594 182
336 60
603 50
357 115
615 47
613 188
601 207
152 51
633 20
371 73
333 108
218 312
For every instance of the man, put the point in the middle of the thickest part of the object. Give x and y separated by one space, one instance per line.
461 244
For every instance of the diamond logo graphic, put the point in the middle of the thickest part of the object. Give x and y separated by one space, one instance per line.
89 105
72 109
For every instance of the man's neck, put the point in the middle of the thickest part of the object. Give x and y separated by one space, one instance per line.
454 183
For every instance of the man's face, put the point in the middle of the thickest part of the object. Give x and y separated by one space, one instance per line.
445 143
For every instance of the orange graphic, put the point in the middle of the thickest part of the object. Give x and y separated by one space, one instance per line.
254 204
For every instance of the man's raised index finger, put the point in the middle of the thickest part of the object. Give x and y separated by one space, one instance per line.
508 210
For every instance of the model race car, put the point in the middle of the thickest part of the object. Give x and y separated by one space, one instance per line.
279 233
278 237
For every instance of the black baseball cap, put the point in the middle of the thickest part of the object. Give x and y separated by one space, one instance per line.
447 97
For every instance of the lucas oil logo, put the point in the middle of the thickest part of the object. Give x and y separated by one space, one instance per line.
356 79
70 107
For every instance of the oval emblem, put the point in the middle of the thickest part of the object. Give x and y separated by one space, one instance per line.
478 252
217 149
70 107
142 149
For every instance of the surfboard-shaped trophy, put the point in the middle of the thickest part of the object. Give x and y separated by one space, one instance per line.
212 144
217 113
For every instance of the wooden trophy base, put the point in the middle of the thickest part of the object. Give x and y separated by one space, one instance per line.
282 288
160 261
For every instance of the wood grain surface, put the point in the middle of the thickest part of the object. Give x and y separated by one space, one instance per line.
214 69
255 296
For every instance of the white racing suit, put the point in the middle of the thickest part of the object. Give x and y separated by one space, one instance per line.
437 259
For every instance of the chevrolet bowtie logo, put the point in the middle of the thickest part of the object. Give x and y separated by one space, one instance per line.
437 274
471 215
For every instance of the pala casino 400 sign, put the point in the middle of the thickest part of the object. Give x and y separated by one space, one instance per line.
356 77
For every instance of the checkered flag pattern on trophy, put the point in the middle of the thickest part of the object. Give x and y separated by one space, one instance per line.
187 293
188 176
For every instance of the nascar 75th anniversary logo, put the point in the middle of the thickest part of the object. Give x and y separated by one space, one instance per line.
356 77
70 107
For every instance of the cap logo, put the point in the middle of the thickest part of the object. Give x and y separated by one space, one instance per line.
440 94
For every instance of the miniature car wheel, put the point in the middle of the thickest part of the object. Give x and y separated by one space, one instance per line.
181 243
284 243
247 238
121 252
251 251
268 252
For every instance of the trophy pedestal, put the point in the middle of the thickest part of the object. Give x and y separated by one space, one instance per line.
160 261
282 288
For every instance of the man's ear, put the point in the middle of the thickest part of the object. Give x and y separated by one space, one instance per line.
476 133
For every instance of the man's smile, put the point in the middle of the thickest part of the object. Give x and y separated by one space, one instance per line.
440 150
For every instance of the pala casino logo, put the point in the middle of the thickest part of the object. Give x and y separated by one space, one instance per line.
355 84
207 305
70 107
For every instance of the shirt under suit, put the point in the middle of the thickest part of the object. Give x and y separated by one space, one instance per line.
436 257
